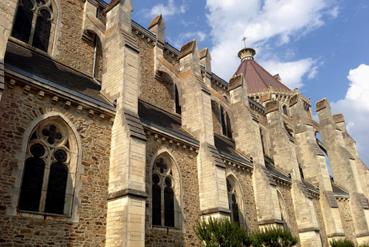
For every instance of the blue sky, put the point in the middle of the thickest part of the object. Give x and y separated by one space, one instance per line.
318 46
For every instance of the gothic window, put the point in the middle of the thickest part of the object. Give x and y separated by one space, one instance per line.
301 172
177 102
285 110
46 170
225 122
32 23
163 194
98 59
262 140
232 201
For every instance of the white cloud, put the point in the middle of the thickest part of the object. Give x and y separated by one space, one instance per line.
292 73
264 21
355 107
185 37
168 9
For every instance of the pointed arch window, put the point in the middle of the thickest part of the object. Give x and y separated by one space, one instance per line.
98 59
164 204
232 201
46 173
33 22
177 101
225 122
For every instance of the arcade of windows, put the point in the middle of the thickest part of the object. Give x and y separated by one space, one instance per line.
46 171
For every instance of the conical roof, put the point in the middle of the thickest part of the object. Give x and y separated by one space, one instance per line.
256 77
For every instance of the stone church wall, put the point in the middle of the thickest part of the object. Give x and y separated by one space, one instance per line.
244 178
346 218
159 92
187 163
71 49
286 194
18 110
319 215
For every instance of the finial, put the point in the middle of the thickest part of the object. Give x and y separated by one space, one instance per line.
244 41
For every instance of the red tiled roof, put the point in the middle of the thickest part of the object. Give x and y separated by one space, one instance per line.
257 78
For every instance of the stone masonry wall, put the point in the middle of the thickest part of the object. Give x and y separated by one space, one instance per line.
249 211
346 218
319 215
159 93
17 110
71 49
186 160
286 194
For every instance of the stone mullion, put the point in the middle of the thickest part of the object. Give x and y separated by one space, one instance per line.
45 181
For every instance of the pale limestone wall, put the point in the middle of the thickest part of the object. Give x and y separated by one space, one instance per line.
344 167
121 82
313 164
346 218
197 120
244 130
285 158
288 204
7 10
18 109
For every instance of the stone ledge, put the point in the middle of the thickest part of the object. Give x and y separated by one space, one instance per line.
127 192
219 210
271 221
309 229
336 234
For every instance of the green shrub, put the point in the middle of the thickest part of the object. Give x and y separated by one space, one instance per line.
342 243
221 232
273 237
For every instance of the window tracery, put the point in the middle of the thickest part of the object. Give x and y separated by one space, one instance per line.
46 170
33 22
163 194
233 203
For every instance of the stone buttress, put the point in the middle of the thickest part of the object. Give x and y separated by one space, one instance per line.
7 10
245 129
121 78
197 119
345 167
285 158
313 163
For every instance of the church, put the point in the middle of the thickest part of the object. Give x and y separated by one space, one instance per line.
110 136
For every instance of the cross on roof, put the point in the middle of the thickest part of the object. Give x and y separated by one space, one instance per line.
244 41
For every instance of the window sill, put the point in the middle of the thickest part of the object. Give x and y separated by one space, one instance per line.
28 46
166 228
44 216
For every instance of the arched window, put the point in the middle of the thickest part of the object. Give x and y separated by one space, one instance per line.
33 22
98 59
285 110
283 209
47 169
177 102
165 208
225 122
232 201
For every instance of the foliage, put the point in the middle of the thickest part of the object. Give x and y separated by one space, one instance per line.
221 232
273 237
342 243
224 233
